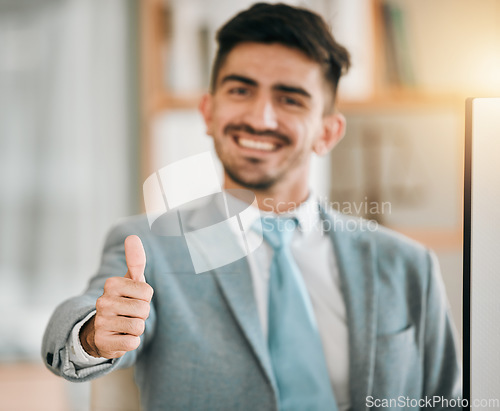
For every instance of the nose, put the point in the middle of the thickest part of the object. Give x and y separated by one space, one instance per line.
261 114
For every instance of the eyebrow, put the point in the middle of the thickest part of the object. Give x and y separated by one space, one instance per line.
292 89
237 77
280 87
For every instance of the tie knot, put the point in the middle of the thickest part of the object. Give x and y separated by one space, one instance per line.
278 232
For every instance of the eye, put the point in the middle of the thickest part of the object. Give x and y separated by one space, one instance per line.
239 91
290 101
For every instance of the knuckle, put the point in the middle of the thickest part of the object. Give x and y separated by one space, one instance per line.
101 304
143 309
141 326
148 291
134 326
111 284
99 323
147 310
129 343
136 341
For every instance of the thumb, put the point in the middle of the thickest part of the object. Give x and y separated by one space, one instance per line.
135 257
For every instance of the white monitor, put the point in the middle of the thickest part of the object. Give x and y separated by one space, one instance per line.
482 254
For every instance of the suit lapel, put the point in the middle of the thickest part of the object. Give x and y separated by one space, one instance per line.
355 256
236 285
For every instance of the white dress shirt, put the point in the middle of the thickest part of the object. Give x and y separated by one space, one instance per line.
313 251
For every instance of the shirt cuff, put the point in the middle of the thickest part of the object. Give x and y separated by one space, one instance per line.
77 355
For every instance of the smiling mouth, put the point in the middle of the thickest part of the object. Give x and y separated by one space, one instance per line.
260 145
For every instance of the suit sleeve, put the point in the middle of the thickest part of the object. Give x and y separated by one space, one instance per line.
441 364
54 348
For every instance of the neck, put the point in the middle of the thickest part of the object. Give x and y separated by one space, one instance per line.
278 199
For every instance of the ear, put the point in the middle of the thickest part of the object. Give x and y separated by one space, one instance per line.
332 133
205 108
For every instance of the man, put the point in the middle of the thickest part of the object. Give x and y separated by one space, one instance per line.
336 316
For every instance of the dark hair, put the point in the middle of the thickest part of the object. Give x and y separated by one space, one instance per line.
294 27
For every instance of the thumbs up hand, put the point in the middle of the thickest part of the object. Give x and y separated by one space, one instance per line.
122 310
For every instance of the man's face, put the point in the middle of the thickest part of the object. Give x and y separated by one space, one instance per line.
266 114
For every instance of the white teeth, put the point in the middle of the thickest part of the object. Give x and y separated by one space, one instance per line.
258 145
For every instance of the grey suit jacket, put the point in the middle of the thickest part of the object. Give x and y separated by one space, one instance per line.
203 348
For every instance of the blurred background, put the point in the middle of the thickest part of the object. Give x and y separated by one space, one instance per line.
96 95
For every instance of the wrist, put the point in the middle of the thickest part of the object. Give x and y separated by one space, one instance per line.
87 333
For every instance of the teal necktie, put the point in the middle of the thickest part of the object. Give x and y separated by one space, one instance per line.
295 347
